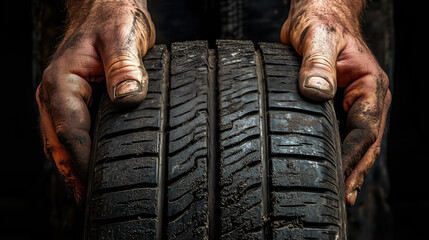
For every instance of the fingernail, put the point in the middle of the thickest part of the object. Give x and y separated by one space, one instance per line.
319 83
126 88
351 198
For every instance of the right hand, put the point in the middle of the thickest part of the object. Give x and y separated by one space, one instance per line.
326 33
104 40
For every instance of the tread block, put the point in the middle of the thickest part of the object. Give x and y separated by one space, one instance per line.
305 174
131 144
297 233
240 162
187 153
291 144
133 230
135 202
119 174
307 206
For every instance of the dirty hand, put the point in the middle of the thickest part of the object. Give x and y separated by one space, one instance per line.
104 40
326 33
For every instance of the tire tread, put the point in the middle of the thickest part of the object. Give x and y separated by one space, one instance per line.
277 172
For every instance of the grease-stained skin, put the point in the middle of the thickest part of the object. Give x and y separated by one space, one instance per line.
105 40
327 34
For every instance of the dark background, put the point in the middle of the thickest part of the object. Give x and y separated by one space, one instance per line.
33 204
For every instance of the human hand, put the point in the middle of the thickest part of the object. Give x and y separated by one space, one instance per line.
104 40
326 33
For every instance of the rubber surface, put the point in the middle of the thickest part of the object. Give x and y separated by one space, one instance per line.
223 147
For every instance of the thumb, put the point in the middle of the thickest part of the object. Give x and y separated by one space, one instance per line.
121 52
319 47
126 80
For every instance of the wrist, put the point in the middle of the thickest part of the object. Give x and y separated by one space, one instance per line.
79 10
100 21
346 14
75 5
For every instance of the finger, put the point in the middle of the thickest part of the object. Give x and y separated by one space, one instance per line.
355 180
362 135
65 125
121 51
364 101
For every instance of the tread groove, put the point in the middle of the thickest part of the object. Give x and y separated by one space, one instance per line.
213 143
262 98
163 160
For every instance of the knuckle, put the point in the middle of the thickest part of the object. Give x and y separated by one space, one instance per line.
46 85
47 74
375 85
63 132
52 149
70 136
48 149
124 64
372 135
383 80
388 99
321 61
377 150
49 79
40 97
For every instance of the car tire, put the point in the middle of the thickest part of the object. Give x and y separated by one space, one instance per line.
223 147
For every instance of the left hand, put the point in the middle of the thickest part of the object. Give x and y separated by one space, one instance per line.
326 33
104 41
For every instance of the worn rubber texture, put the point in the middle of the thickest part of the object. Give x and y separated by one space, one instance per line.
223 147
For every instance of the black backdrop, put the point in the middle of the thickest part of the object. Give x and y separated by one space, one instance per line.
32 207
